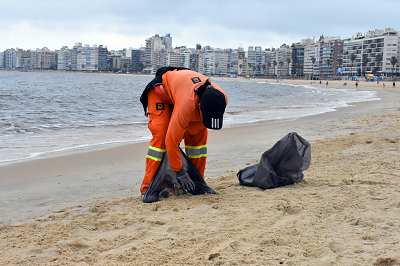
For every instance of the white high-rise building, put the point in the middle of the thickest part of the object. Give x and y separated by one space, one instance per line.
371 53
64 59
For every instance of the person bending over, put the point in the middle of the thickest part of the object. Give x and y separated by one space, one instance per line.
182 104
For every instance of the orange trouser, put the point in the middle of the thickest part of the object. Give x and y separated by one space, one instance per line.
159 117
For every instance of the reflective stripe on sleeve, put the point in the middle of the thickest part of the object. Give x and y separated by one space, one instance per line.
155 154
196 151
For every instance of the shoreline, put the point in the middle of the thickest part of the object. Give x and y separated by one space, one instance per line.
86 208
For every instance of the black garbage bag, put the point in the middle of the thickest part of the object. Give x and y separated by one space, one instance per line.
281 165
164 172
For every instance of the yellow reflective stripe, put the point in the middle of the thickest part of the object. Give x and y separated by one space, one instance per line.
153 158
156 149
196 147
197 156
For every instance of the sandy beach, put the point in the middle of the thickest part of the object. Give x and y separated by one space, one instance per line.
85 208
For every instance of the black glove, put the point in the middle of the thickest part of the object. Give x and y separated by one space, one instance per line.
186 184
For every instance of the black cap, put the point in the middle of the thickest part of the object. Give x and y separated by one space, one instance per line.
212 106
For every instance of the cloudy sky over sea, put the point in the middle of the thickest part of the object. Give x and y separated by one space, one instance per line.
122 24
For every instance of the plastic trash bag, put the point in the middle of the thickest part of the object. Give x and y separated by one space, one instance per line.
165 174
281 165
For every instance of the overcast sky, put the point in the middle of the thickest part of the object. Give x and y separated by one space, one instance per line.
122 24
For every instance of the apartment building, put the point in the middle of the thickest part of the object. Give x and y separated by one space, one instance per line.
209 63
102 58
1 60
270 58
331 49
255 60
43 59
155 46
138 59
221 63
386 45
237 61
64 59
196 61
284 60
23 59
371 53
298 56
10 58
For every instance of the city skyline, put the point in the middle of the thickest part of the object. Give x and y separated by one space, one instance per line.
214 23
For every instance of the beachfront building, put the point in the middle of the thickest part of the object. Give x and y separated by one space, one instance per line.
237 61
311 59
1 60
378 49
174 58
102 58
196 61
221 62
23 59
298 56
156 52
209 63
9 58
137 59
270 58
352 54
43 59
255 61
330 49
64 59
284 60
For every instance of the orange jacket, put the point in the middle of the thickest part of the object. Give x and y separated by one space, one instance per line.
180 85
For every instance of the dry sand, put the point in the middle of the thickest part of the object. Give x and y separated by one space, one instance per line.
346 211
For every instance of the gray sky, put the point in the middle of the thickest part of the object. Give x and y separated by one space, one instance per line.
122 24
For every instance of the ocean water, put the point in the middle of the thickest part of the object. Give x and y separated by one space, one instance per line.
43 114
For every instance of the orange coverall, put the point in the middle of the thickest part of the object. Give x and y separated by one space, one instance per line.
176 118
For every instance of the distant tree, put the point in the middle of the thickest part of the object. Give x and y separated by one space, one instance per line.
258 69
140 66
269 66
393 61
275 64
96 66
125 67
313 62
281 63
252 67
378 59
263 66
328 63
228 69
216 68
288 60
352 59
83 66
365 61
340 62
298 66
240 67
